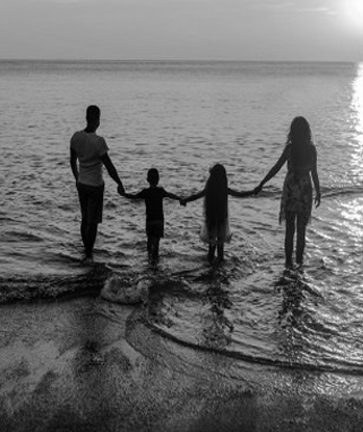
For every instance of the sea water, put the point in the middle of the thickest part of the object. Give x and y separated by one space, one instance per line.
182 117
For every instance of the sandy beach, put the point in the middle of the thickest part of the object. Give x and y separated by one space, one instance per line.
85 364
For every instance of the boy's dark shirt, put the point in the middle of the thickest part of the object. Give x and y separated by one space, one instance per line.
154 202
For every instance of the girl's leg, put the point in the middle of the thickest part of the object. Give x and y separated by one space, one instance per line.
211 252
289 238
300 240
149 247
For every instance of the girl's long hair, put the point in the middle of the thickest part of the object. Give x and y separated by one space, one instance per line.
300 139
216 197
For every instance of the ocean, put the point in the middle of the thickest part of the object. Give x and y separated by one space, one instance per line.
182 117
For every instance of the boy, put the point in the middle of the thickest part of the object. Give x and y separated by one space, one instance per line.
153 196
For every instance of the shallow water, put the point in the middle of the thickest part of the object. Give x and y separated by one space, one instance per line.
183 117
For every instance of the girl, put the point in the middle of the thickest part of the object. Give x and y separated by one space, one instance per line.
296 203
215 230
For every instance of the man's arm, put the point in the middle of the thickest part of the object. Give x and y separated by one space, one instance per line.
112 171
73 162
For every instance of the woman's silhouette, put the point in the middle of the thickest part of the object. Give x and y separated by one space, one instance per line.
296 203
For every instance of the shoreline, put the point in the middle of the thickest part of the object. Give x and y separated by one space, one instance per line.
85 364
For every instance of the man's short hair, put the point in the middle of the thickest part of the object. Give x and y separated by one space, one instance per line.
93 113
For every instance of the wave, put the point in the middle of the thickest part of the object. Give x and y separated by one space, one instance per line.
26 289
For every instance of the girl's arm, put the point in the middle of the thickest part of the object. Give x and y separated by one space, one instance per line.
194 197
274 170
314 174
237 194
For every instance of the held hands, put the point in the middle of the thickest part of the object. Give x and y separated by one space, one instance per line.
257 190
317 199
121 190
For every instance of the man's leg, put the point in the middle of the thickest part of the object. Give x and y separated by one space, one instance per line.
84 233
91 234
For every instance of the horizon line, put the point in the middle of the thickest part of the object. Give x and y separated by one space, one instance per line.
185 60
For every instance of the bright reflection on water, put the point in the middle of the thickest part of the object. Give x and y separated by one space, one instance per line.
357 121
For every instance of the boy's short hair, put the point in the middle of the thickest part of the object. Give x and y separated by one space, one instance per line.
93 113
153 176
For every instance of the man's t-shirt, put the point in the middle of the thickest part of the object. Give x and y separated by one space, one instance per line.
154 202
89 148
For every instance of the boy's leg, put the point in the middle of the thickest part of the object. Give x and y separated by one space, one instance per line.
156 247
289 238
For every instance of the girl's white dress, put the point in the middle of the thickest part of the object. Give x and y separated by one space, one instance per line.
219 234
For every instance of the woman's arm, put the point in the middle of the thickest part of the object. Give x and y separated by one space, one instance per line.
314 175
237 194
274 170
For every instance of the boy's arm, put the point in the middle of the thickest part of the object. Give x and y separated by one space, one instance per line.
237 194
172 196
132 196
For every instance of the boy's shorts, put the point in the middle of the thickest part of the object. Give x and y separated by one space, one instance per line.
91 202
155 228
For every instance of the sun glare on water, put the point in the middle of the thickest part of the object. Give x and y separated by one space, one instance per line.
354 12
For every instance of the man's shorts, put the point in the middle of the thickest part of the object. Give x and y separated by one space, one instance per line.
91 201
155 228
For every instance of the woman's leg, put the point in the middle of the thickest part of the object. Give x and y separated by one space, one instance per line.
289 238
300 240
220 251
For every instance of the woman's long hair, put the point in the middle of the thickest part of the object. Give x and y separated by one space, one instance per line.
300 139
216 197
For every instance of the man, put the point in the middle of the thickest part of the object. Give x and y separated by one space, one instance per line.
91 150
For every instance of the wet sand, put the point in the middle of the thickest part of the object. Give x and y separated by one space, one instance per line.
85 364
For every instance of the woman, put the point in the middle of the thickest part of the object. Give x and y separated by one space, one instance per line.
296 203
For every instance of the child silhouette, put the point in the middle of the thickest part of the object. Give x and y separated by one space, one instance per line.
215 230
153 196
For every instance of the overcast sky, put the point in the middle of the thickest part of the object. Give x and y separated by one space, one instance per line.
182 29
